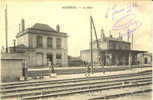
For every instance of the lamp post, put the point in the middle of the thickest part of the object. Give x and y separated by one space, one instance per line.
6 29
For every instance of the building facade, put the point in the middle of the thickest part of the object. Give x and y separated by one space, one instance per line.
42 43
147 58
111 51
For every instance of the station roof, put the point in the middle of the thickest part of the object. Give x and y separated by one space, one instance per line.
115 50
43 29
111 39
125 50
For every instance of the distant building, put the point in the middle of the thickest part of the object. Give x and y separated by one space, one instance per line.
42 43
74 61
112 51
147 58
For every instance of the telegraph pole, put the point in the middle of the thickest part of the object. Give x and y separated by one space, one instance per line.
91 44
94 28
92 21
6 29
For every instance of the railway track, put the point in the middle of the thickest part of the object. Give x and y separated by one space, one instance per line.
57 88
52 86
120 95
65 87
83 90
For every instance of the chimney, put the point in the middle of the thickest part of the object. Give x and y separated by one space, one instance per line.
102 34
57 28
22 25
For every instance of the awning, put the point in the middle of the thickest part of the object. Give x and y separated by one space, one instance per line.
123 50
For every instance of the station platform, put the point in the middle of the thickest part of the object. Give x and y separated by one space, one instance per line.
44 71
102 73
82 75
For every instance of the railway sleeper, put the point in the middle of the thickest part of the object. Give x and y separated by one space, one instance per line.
76 84
82 91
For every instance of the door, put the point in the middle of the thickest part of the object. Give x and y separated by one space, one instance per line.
146 61
50 57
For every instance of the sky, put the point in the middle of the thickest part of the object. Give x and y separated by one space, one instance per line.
74 19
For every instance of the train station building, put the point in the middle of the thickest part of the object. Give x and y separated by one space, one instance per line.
112 51
41 43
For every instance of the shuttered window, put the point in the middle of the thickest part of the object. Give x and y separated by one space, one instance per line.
58 43
39 42
49 42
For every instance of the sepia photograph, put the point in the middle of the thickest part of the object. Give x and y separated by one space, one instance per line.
76 49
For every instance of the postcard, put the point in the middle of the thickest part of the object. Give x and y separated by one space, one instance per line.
76 49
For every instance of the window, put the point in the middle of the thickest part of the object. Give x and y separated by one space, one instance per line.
58 43
58 59
127 46
49 42
58 56
39 42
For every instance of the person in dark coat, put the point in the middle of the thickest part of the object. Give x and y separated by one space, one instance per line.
88 69
85 64
52 67
24 69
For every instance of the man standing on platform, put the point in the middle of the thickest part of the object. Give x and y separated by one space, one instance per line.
84 63
88 69
50 64
24 69
52 67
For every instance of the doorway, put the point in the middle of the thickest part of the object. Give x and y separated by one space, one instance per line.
146 60
50 57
